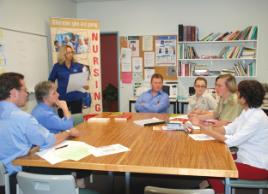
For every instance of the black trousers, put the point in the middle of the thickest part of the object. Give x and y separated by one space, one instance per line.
73 106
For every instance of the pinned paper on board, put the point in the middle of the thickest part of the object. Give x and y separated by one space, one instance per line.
149 59
148 73
126 77
147 43
137 64
126 60
137 76
165 48
134 45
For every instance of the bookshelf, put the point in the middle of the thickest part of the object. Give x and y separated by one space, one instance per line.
217 53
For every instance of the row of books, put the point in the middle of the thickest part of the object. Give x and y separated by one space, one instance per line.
187 33
192 69
249 33
233 52
228 52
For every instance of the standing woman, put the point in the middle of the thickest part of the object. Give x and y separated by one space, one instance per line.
61 71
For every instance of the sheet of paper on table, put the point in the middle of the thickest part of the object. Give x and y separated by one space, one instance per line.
67 150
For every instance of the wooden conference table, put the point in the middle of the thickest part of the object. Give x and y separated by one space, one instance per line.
154 152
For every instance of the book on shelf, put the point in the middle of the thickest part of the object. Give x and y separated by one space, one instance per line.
239 69
187 33
228 71
248 53
251 71
190 53
200 70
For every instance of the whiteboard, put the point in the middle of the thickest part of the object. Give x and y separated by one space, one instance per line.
26 53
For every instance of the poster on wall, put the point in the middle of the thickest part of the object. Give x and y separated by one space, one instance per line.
165 50
84 36
134 45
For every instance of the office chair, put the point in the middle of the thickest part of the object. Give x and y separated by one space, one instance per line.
30 183
4 178
159 190
165 89
239 183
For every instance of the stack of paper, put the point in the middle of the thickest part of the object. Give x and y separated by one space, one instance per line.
67 150
201 137
148 122
98 119
108 150
173 126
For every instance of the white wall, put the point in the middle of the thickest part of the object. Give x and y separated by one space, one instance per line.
152 17
33 16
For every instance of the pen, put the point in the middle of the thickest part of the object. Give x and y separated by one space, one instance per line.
61 147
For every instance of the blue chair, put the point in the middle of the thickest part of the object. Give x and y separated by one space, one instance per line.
238 183
4 178
30 183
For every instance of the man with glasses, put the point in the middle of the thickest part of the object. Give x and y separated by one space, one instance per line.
202 100
19 131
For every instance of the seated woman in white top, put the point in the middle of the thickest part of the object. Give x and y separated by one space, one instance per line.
248 132
202 100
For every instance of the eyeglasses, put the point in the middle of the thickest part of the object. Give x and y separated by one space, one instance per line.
200 86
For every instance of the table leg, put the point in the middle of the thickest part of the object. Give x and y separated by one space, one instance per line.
129 106
127 182
227 186
111 177
174 108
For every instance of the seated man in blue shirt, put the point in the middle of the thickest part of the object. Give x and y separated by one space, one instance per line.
19 131
153 100
47 98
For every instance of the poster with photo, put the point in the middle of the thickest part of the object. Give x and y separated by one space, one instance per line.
84 37
165 50
134 45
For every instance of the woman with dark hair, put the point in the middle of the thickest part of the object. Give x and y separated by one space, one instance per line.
248 132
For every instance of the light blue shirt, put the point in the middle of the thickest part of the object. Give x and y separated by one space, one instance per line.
47 117
153 104
19 131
